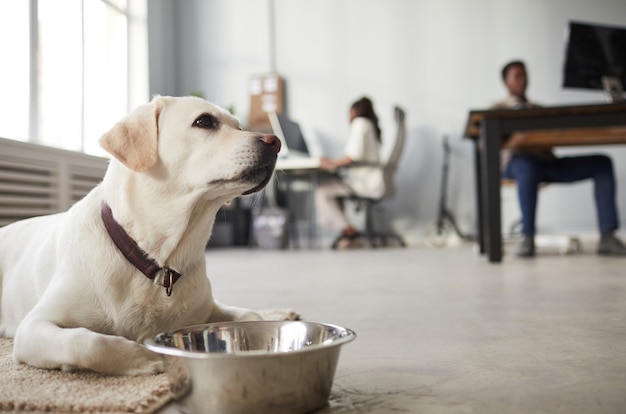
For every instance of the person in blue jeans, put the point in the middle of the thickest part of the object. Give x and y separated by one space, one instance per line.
530 168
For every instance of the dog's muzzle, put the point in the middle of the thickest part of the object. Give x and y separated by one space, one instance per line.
263 172
253 175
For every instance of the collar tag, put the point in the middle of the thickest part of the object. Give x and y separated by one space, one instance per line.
169 278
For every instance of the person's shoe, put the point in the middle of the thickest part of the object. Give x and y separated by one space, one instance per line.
350 233
526 248
346 243
611 246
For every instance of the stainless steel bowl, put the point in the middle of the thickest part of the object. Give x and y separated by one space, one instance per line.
254 367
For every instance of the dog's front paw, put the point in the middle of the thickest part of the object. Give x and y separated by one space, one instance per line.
279 315
152 365
115 355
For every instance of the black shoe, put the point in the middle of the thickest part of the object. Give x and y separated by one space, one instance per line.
346 240
527 247
611 246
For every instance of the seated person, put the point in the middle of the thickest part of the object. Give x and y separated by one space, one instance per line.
530 168
366 179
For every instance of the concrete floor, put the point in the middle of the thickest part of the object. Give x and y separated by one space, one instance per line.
443 331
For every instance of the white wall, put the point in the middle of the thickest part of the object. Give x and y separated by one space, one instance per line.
435 58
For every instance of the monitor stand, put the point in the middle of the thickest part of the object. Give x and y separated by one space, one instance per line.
613 87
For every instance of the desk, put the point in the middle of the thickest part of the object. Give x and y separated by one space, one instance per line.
308 169
492 130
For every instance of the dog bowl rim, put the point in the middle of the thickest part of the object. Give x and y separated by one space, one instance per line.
348 335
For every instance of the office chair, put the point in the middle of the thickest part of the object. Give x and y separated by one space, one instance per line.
381 238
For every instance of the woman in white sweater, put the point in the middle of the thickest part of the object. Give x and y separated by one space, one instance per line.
364 175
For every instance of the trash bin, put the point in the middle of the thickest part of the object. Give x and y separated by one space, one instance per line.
270 228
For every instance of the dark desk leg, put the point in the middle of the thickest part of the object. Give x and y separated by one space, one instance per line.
490 141
292 220
239 224
479 198
312 211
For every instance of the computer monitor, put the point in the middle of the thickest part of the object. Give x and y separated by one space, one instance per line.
290 133
595 52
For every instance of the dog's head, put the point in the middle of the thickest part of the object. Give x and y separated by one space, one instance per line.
191 144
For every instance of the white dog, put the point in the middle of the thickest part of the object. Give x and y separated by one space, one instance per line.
69 295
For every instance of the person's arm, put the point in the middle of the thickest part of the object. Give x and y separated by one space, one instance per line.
354 147
332 164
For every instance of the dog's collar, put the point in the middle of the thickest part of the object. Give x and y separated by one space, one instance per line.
135 254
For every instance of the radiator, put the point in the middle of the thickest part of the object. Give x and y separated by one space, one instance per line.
36 180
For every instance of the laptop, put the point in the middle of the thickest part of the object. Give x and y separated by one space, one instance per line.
294 152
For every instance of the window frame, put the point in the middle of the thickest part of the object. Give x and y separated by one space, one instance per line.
137 74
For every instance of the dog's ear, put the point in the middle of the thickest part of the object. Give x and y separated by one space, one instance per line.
134 139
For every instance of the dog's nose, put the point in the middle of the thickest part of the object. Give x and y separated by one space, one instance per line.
271 141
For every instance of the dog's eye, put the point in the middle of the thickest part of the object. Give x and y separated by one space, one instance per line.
206 121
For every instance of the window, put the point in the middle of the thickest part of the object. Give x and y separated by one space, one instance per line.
14 76
70 71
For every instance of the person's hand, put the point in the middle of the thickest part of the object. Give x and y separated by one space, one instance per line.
327 164
332 164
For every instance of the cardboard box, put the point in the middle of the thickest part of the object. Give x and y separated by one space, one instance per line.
266 95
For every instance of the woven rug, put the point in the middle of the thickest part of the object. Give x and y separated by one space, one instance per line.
27 389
